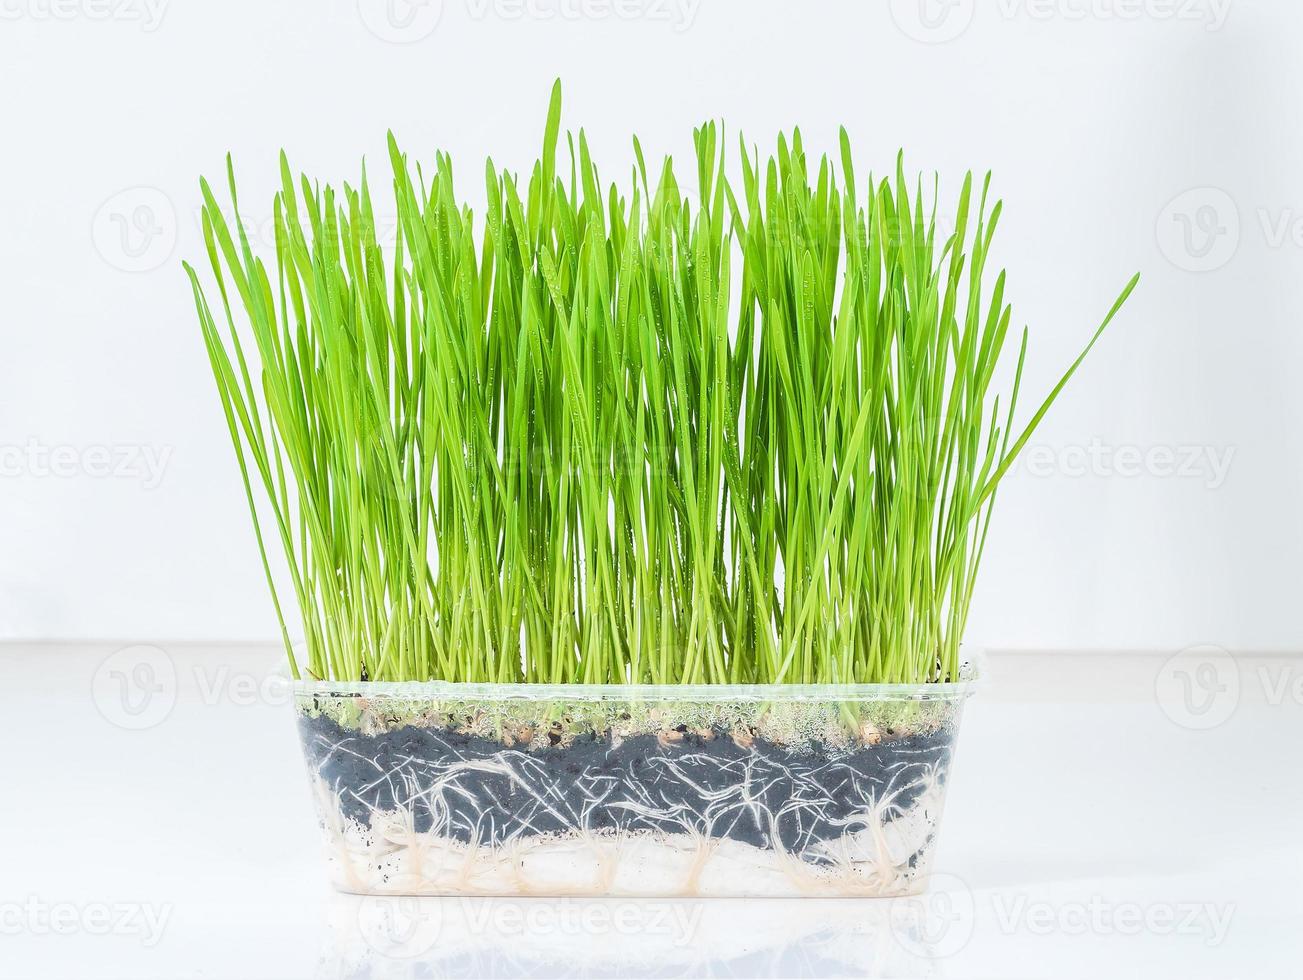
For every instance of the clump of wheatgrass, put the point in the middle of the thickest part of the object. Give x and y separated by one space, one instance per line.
607 436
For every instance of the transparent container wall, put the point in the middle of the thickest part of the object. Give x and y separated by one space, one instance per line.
529 790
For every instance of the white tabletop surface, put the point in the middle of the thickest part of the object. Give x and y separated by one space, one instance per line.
1109 816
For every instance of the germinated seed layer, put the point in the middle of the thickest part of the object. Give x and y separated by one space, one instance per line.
736 429
522 721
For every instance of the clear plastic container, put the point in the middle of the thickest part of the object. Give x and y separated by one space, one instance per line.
633 790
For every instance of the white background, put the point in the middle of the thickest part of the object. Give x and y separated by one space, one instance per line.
1097 118
1153 135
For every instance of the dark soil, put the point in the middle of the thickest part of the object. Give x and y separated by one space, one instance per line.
474 789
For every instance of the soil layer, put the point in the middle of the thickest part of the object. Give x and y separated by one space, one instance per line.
476 790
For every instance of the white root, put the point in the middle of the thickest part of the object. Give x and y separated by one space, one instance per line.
883 853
